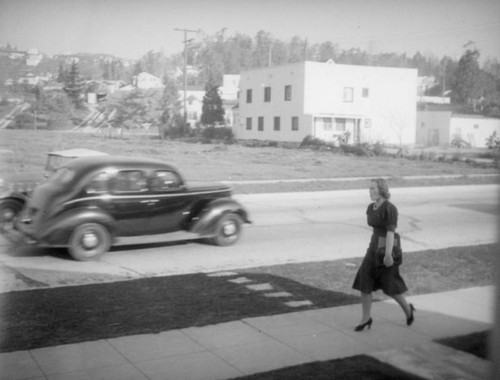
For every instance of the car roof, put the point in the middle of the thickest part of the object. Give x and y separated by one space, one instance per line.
88 164
77 152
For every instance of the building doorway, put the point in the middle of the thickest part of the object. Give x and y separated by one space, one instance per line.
433 137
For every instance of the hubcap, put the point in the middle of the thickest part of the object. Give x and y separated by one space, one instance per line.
90 240
8 215
229 229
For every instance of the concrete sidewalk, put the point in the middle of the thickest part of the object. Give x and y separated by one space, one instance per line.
253 345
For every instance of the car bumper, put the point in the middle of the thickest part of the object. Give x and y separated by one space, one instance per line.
24 232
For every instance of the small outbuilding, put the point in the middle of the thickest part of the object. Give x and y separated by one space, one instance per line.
443 127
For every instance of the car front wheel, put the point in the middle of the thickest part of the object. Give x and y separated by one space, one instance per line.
89 241
8 211
228 230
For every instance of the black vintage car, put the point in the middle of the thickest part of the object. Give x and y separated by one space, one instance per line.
90 204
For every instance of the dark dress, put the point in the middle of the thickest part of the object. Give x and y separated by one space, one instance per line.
371 277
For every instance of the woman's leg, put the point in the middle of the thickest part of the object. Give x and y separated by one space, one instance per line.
366 304
401 300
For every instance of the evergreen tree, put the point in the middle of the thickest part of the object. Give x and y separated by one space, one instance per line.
137 68
466 78
74 85
62 74
327 50
212 110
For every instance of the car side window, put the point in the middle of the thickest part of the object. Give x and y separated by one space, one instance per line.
98 184
130 181
163 180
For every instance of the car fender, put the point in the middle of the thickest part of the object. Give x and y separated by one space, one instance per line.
58 231
14 196
205 221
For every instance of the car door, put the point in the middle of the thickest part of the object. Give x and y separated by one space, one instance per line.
131 203
173 202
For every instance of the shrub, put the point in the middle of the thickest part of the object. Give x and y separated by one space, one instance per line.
315 143
218 133
360 149
493 142
378 149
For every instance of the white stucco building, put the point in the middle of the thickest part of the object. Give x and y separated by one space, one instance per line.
327 100
442 127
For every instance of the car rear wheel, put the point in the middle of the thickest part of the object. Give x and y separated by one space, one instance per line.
89 241
228 230
8 211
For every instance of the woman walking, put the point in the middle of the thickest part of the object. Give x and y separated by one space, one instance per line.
381 272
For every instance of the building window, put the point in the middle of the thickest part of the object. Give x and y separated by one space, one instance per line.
327 123
295 123
476 126
348 94
340 125
261 123
249 96
365 93
288 93
276 123
267 94
249 123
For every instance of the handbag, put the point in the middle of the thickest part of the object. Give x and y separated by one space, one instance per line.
397 252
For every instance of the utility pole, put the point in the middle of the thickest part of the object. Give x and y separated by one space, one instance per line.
185 42
444 80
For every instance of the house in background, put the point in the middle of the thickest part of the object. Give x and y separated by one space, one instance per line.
328 101
33 57
146 81
194 103
442 127
194 100
229 92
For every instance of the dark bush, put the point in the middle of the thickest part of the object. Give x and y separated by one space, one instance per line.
360 149
493 142
224 134
28 120
311 142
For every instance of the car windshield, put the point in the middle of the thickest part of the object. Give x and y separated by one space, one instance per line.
62 176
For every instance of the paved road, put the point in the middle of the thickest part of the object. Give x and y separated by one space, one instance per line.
288 228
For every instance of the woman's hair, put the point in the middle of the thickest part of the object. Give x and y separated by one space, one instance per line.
383 188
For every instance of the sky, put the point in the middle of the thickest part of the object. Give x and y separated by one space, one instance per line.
131 28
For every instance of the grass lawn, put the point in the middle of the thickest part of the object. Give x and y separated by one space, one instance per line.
425 272
47 317
27 151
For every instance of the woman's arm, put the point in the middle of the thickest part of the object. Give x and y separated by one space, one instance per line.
389 244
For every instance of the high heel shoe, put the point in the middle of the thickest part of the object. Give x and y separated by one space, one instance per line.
362 326
411 318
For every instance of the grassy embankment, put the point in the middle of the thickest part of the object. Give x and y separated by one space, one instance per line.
26 151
